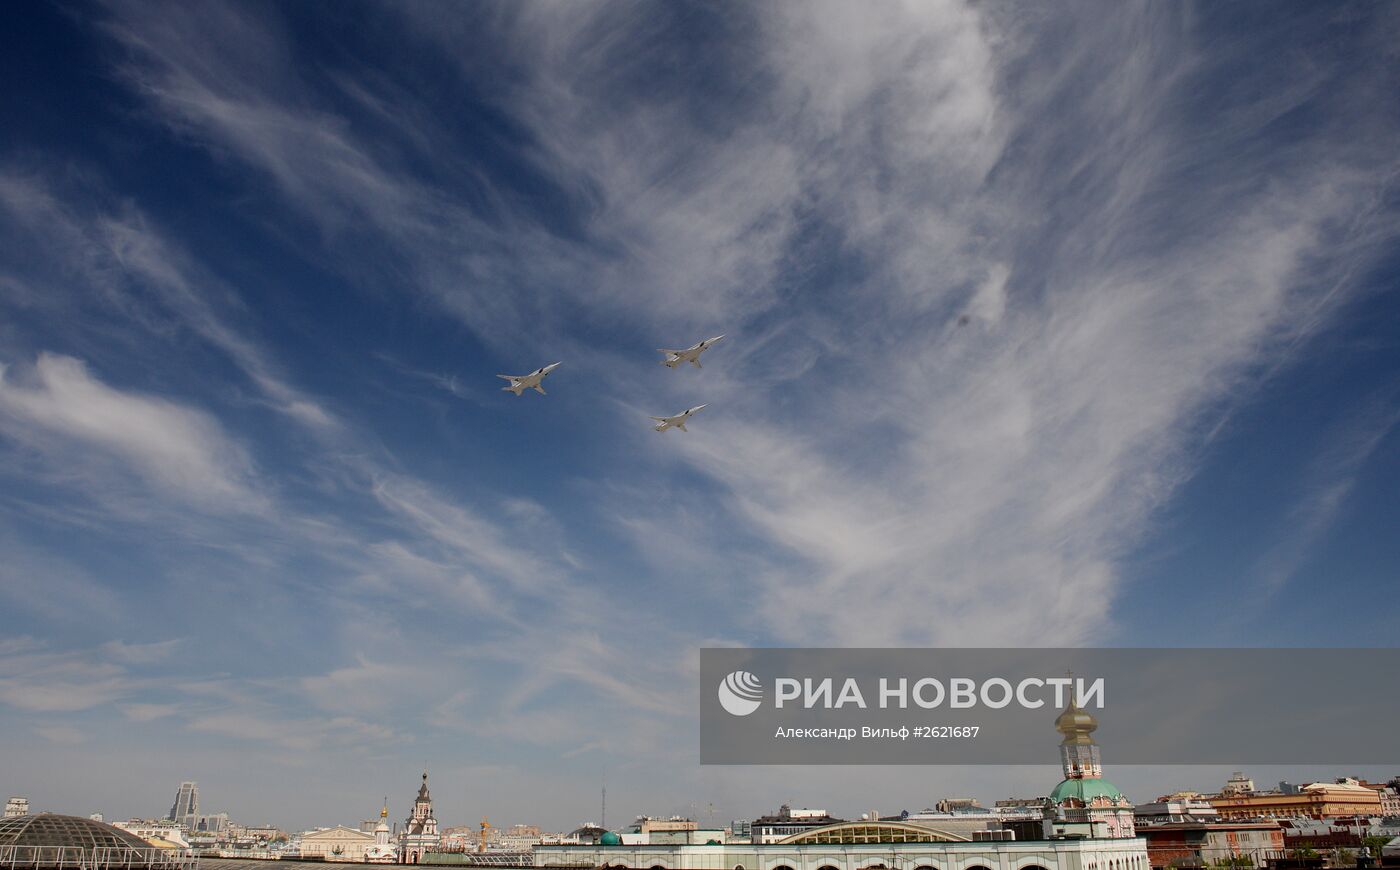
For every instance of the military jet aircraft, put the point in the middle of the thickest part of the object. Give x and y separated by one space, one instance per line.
521 383
690 354
678 421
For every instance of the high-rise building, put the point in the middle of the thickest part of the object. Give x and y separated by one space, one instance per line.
185 810
16 806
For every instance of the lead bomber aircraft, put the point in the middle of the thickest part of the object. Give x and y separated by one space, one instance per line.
690 354
520 383
676 422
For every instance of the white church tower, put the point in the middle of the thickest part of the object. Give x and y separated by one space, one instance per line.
420 833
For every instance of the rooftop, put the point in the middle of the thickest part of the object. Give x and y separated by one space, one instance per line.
49 840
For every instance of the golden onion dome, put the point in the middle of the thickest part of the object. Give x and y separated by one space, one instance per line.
1075 721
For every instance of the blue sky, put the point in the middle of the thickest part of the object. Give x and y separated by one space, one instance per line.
1046 327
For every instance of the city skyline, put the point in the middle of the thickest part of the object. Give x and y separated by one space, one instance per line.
479 805
1068 328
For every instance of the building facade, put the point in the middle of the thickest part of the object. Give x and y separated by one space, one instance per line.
16 807
885 844
787 822
336 844
1203 844
1321 800
164 831
1087 824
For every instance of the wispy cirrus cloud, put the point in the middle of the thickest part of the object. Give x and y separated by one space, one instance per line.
1027 324
988 273
140 653
1325 485
37 680
110 255
174 447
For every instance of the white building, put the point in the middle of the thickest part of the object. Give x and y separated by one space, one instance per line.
164 830
16 806
859 845
384 851
1086 824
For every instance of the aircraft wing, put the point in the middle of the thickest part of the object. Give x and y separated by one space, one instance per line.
661 419
511 378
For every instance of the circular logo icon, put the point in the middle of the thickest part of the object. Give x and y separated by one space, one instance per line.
740 693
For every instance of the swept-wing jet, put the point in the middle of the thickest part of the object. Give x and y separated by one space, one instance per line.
678 421
521 383
690 354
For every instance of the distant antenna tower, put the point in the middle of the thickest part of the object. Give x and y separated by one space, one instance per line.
604 815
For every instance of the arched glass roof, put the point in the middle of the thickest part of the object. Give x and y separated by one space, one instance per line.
48 841
874 832
50 829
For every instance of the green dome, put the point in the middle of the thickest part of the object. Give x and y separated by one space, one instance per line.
1085 790
611 838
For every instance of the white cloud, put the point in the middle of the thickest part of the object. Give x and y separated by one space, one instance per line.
48 682
925 483
869 470
51 587
139 653
63 735
131 269
302 735
183 451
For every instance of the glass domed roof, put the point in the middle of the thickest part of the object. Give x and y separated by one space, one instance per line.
51 829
